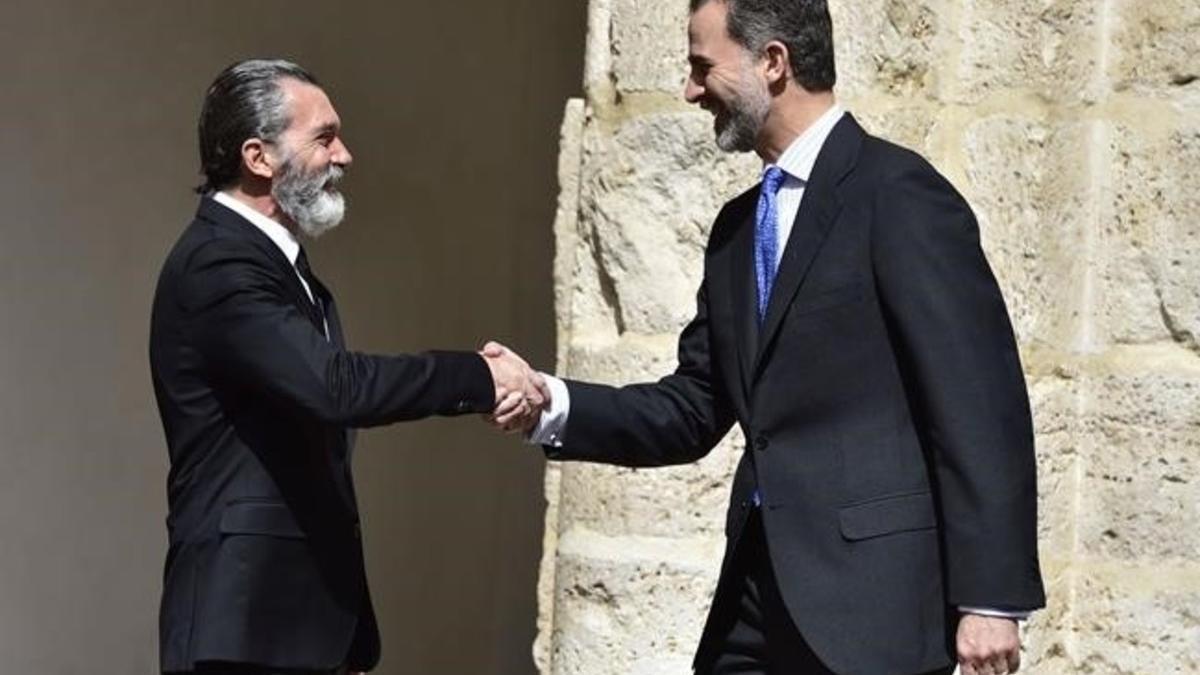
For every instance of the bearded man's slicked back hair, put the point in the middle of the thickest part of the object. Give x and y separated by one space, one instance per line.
244 102
803 25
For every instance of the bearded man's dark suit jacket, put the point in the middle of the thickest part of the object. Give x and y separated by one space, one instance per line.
883 402
265 564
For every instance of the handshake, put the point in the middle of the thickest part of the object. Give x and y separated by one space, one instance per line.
521 392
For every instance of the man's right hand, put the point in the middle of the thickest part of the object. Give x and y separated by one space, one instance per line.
988 645
521 393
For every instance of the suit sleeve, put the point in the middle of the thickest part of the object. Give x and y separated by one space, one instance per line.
963 374
248 331
673 421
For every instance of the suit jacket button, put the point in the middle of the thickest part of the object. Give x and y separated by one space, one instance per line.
464 406
357 531
761 443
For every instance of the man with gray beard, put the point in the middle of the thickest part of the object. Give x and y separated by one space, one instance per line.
258 396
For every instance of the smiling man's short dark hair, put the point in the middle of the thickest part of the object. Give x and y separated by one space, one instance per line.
804 26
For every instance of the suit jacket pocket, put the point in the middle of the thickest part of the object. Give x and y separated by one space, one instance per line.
264 518
887 515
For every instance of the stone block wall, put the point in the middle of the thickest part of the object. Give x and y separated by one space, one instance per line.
1073 128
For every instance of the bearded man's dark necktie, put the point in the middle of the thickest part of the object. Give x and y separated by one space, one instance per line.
314 287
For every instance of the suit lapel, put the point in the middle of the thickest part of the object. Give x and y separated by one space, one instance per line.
309 304
230 220
742 292
336 337
818 213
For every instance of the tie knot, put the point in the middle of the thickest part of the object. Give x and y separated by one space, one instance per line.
773 179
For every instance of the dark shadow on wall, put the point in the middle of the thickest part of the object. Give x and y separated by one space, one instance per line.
452 112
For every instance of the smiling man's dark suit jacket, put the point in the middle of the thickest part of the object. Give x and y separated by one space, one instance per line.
265 564
883 403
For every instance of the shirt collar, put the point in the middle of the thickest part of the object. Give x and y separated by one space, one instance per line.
800 157
283 237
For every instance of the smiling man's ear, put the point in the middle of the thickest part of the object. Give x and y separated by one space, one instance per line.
778 62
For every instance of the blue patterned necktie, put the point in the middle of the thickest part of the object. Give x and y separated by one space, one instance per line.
766 236
766 248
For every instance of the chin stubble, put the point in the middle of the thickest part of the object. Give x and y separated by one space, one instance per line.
740 120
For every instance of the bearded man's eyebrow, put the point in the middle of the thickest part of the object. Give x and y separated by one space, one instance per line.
327 129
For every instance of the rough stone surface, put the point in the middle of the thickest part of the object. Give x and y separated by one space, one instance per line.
1134 619
910 126
629 358
1151 280
1055 404
610 589
651 191
1155 47
1140 495
566 297
581 304
1140 492
1049 48
1073 129
888 46
686 500
649 45
1029 190
1045 637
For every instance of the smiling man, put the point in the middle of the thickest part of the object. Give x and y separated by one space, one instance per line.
258 394
883 518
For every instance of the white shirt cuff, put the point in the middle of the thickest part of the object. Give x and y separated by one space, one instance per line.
1000 613
553 422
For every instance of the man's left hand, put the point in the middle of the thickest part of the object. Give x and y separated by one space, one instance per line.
988 645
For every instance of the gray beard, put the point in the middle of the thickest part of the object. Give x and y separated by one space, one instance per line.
740 121
303 197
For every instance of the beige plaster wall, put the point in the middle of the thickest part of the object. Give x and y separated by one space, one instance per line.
1073 128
